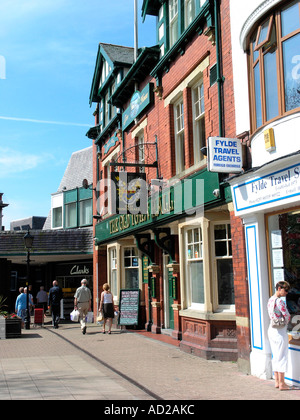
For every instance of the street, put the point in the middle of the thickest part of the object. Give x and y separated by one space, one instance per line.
63 364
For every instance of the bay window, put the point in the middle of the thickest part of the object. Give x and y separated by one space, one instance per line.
275 65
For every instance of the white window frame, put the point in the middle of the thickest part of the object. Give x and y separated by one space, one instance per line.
215 259
198 121
138 266
189 12
179 136
193 258
173 21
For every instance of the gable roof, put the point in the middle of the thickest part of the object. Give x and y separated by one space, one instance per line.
117 56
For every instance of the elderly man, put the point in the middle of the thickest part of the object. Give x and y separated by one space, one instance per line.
82 302
54 298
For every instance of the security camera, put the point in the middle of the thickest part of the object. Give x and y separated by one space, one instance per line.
216 193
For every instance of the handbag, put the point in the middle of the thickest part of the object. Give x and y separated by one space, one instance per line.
277 322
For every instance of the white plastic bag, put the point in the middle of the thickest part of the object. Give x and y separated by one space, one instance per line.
90 317
74 315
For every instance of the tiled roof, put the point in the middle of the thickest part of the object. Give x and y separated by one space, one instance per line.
63 241
80 167
118 53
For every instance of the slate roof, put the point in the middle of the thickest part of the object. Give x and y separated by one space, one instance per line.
63 241
80 166
118 53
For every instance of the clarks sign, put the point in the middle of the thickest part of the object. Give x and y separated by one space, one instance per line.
76 270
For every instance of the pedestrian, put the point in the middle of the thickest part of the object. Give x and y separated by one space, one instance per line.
42 298
82 302
54 298
107 307
21 305
278 337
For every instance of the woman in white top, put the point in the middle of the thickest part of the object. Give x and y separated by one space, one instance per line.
107 307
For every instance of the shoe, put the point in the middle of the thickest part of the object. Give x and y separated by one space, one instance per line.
103 332
109 332
83 330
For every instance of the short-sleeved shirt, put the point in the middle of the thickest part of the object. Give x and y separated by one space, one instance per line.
83 294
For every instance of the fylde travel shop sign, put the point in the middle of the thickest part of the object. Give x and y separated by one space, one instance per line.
224 155
262 192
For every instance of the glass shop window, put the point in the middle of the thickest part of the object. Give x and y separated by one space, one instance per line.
195 266
113 271
131 265
283 233
224 268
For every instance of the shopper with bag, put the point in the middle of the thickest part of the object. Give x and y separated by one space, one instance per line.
277 333
82 302
107 307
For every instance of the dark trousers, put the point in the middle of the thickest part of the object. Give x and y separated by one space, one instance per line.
55 315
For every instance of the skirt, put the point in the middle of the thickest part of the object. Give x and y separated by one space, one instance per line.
279 342
108 310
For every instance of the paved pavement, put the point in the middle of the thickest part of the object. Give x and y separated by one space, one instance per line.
63 364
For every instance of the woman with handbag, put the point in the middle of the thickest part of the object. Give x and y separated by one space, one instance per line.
277 333
107 307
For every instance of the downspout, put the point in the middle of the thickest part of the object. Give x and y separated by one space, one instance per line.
220 79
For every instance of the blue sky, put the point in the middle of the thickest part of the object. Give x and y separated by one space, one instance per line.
48 50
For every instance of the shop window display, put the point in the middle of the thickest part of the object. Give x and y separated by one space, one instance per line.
284 256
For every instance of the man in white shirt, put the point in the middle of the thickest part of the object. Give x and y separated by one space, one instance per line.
82 302
42 298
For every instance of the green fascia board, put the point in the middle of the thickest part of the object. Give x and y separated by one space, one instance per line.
123 225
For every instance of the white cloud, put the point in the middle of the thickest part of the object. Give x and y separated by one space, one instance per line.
44 122
14 162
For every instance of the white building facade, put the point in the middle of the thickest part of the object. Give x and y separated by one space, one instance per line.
266 73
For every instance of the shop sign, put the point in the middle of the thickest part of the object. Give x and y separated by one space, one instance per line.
139 101
76 270
224 155
267 190
110 143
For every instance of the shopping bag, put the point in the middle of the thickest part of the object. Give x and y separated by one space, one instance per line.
90 317
74 315
100 318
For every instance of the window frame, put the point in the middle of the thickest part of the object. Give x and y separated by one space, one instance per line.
199 258
198 141
179 134
256 55
217 306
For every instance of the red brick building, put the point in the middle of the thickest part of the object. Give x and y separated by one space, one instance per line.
154 113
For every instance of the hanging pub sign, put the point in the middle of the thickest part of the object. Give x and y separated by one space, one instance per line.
224 155
131 192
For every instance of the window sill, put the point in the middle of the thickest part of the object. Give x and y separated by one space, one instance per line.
208 316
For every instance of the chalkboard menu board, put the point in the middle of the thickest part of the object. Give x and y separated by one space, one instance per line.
129 306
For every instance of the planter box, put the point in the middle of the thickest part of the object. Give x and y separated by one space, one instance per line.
13 328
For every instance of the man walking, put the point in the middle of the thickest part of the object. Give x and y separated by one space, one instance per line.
82 302
55 296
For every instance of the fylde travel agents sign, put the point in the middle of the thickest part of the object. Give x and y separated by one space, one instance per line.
224 155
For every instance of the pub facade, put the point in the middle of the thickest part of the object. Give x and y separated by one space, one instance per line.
154 110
